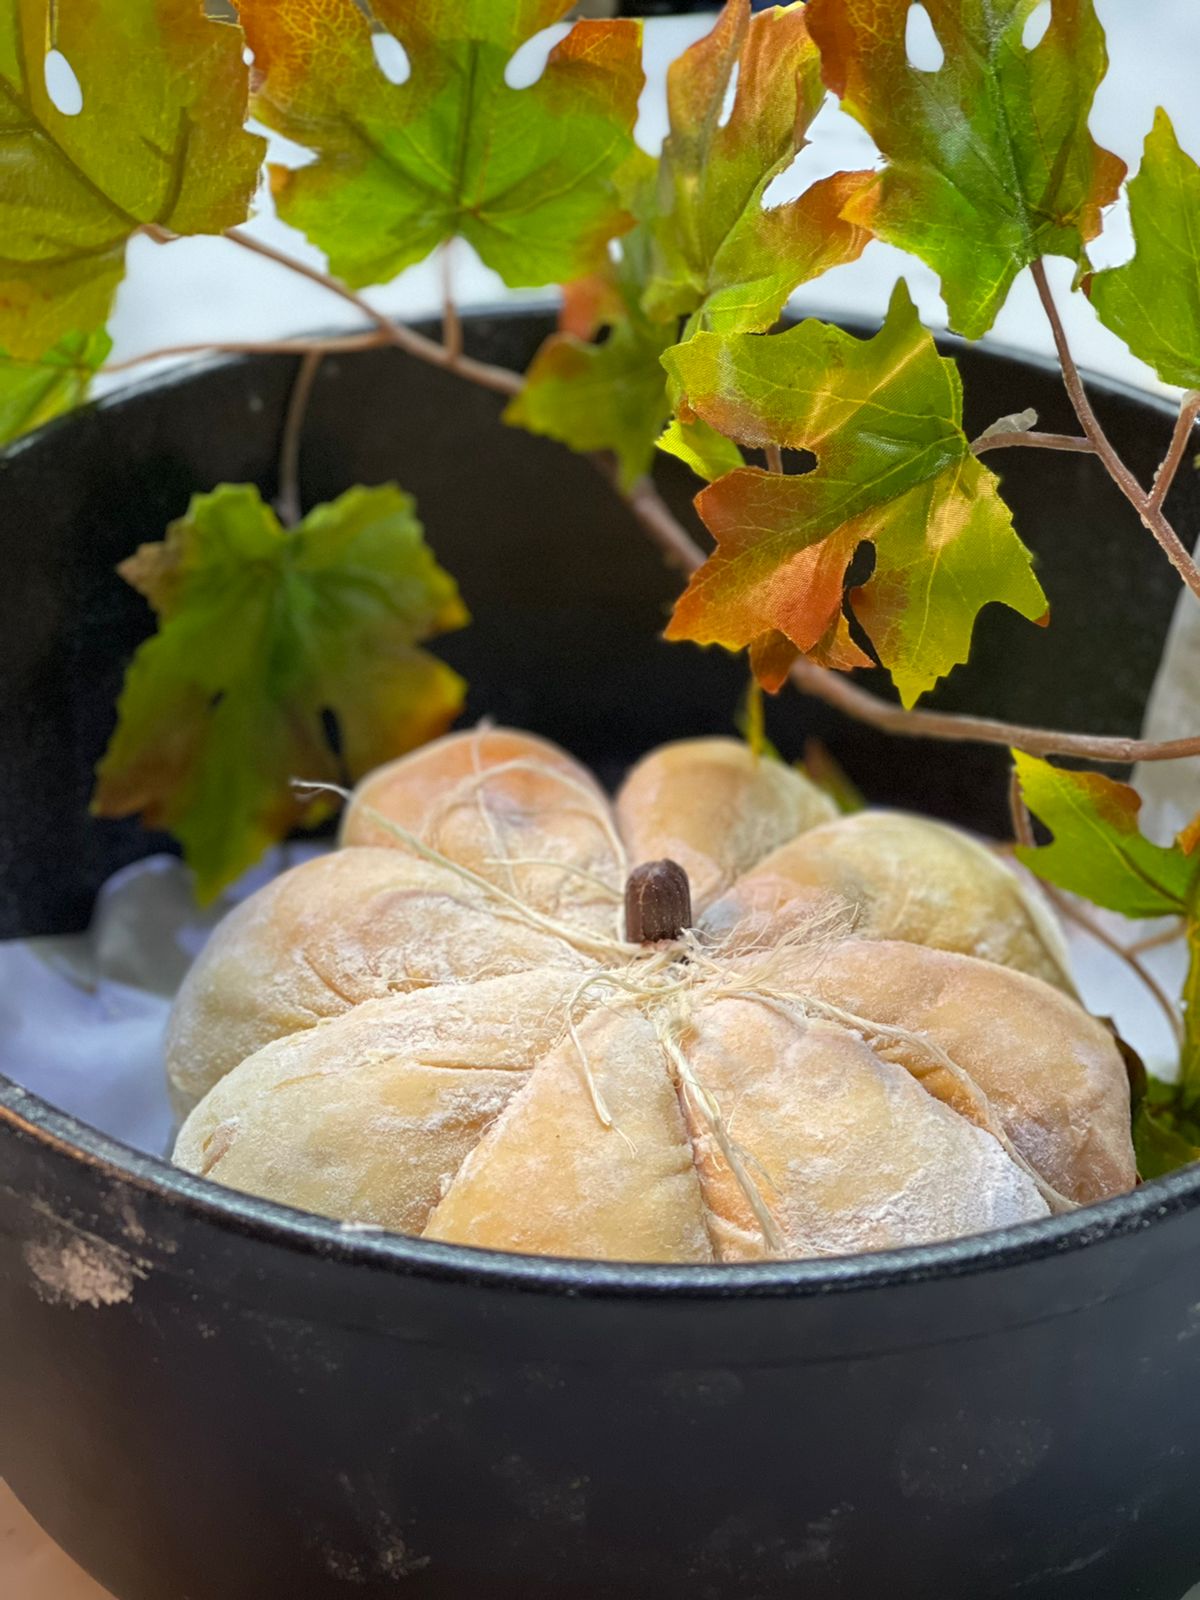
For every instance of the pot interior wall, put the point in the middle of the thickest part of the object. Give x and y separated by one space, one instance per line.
568 597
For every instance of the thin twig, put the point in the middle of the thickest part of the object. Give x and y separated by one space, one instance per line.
1149 512
1032 441
774 457
1071 909
1189 409
1155 941
416 344
681 550
338 344
288 502
452 333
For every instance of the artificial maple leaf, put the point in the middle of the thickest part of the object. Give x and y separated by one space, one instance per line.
159 141
720 254
884 418
990 164
602 396
705 247
264 634
1098 849
1153 301
1098 852
528 176
708 453
35 389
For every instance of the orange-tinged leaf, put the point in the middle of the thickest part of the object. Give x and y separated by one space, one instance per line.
705 247
990 164
528 176
720 254
1189 839
159 140
884 418
264 635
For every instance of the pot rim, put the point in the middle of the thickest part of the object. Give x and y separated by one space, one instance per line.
66 1138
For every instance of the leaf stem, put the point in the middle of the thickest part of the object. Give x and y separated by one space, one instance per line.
288 503
1032 441
1144 504
1075 913
774 457
1155 941
335 345
1189 409
452 333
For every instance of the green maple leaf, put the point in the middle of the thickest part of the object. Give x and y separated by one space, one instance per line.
528 176
705 247
607 396
720 255
884 419
990 164
1153 301
35 389
264 633
1098 850
159 141
708 453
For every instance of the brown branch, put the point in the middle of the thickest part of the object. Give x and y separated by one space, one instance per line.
1032 441
416 344
837 690
288 502
1189 409
774 457
1150 513
335 345
1021 820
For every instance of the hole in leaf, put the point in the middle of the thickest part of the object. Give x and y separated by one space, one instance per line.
921 43
731 89
1036 24
248 55
529 62
391 57
62 85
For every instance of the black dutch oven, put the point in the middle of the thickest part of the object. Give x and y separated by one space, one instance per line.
209 1397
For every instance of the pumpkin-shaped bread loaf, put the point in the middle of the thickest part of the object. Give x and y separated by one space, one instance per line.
867 1040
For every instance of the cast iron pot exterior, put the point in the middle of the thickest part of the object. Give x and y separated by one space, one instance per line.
207 1397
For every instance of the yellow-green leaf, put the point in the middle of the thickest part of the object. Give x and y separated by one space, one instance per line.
1153 301
990 164
528 176
36 389
159 140
709 453
266 635
1098 849
884 418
